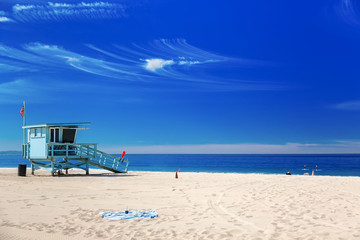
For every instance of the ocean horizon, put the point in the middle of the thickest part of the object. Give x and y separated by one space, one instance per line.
296 164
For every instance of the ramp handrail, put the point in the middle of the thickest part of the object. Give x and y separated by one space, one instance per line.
109 161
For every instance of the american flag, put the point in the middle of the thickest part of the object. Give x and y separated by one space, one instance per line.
22 111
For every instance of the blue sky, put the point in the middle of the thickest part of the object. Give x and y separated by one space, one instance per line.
185 76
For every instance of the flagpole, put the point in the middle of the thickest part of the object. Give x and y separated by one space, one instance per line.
24 122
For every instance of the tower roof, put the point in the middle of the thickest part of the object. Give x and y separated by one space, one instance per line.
67 125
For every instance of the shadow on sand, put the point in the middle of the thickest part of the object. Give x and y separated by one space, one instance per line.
97 175
63 175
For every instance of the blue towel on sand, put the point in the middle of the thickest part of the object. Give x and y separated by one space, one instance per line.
130 215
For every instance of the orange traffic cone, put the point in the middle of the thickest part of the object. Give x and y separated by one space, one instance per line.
313 173
176 176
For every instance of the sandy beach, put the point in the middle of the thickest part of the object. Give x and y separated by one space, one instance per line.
194 206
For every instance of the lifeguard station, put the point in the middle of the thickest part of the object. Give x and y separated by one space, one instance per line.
53 147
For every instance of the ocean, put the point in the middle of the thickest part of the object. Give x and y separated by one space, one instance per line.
330 165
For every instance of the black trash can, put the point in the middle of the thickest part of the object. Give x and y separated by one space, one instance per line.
22 170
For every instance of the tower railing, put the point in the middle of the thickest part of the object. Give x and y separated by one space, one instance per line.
72 150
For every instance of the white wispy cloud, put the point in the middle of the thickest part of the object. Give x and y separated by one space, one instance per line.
349 10
183 62
350 105
157 63
5 19
19 57
177 50
244 148
180 52
19 7
67 11
176 59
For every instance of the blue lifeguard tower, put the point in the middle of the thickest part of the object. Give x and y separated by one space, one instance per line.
53 147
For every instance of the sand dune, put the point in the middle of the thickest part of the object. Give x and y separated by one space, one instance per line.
195 206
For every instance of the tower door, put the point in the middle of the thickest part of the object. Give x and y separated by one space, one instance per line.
54 135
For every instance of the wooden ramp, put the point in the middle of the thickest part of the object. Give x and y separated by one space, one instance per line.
109 162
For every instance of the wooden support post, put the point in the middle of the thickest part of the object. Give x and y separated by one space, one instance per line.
66 162
87 166
32 168
52 167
